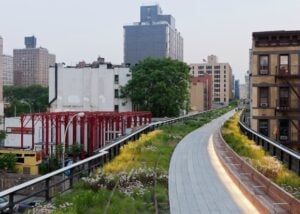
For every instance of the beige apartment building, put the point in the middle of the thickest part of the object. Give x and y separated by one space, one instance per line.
31 64
221 77
275 80
201 93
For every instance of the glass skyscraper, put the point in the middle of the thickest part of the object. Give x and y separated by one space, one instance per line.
154 36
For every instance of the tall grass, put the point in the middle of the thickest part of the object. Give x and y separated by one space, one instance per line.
261 160
133 171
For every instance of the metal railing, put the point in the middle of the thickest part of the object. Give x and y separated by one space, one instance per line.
287 156
51 184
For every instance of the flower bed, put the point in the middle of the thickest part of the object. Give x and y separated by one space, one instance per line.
259 159
136 181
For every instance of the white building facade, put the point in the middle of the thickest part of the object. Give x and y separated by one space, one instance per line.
8 71
88 89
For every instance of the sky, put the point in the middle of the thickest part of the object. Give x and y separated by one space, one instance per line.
76 30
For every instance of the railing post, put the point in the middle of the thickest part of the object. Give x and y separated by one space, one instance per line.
11 203
47 191
290 162
281 155
71 177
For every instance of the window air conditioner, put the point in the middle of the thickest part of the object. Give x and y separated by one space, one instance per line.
263 72
264 105
283 137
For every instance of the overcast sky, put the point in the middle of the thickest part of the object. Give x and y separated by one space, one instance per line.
77 30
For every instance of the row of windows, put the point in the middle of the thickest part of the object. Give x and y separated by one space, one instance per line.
281 132
264 97
264 64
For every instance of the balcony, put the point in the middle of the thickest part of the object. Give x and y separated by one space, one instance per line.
285 71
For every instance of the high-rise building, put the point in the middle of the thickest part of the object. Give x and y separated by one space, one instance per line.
8 71
275 79
237 89
221 77
30 42
31 65
243 91
154 36
201 93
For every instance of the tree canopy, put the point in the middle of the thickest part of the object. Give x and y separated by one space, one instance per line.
159 86
23 99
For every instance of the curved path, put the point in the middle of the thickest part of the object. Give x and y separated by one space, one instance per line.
197 181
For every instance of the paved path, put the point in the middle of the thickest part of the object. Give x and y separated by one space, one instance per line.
194 184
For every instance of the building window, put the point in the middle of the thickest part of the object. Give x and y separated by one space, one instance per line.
264 65
116 108
284 96
263 127
283 130
283 64
263 97
117 78
116 93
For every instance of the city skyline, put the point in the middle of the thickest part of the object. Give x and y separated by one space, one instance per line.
82 30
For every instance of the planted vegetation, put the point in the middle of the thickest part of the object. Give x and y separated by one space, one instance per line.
259 159
136 181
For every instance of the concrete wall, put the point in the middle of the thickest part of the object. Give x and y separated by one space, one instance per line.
88 89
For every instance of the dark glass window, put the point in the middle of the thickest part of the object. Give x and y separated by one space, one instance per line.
283 130
284 97
263 97
116 93
117 78
263 127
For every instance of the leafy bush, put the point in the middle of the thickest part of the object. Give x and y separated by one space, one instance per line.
8 161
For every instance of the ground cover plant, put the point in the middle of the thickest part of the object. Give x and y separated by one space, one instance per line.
136 181
259 159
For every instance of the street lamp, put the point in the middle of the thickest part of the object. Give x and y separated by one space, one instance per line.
80 114
27 103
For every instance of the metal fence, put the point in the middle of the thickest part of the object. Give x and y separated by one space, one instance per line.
56 182
287 156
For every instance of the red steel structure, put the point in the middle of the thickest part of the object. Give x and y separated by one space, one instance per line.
93 130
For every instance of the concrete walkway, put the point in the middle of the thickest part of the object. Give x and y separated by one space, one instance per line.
197 182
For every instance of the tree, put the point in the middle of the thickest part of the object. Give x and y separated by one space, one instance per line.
159 86
22 99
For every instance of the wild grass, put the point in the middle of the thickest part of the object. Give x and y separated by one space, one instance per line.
131 175
261 160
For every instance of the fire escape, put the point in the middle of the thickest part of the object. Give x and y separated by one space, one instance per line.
287 106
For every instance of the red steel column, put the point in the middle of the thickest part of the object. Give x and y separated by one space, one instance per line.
66 133
47 134
74 131
22 131
32 139
82 129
